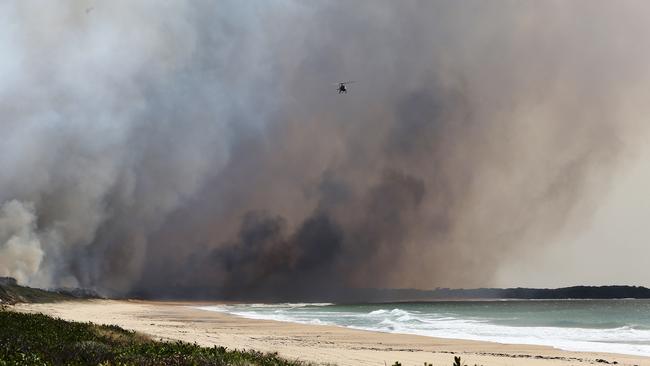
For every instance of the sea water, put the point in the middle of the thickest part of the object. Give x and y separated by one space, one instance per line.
618 326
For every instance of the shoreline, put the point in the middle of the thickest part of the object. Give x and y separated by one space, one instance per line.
381 319
316 343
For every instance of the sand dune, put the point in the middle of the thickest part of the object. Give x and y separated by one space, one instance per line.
317 343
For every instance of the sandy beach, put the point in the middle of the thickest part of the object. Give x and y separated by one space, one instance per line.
316 343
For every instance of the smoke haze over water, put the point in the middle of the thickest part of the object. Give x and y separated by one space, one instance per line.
199 148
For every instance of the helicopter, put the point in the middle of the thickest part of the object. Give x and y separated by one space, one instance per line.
342 89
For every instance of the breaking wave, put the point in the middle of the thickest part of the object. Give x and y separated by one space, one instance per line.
409 319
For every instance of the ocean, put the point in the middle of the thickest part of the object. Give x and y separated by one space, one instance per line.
617 326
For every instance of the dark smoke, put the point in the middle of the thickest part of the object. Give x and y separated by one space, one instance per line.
194 149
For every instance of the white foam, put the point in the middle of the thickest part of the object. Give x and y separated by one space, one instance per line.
378 312
626 340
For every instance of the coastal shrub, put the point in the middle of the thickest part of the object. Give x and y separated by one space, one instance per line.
457 362
36 339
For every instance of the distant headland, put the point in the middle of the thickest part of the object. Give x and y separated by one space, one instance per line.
11 292
370 295
518 293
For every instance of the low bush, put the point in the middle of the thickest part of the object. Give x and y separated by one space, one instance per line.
36 339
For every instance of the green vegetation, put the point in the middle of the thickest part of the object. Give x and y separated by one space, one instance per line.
36 339
457 362
11 293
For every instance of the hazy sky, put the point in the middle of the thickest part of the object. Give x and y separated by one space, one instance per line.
610 248
199 148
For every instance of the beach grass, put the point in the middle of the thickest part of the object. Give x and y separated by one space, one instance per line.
37 339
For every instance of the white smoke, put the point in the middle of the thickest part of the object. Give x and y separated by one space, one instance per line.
20 247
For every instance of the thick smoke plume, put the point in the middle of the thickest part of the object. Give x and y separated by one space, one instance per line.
199 148
20 253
